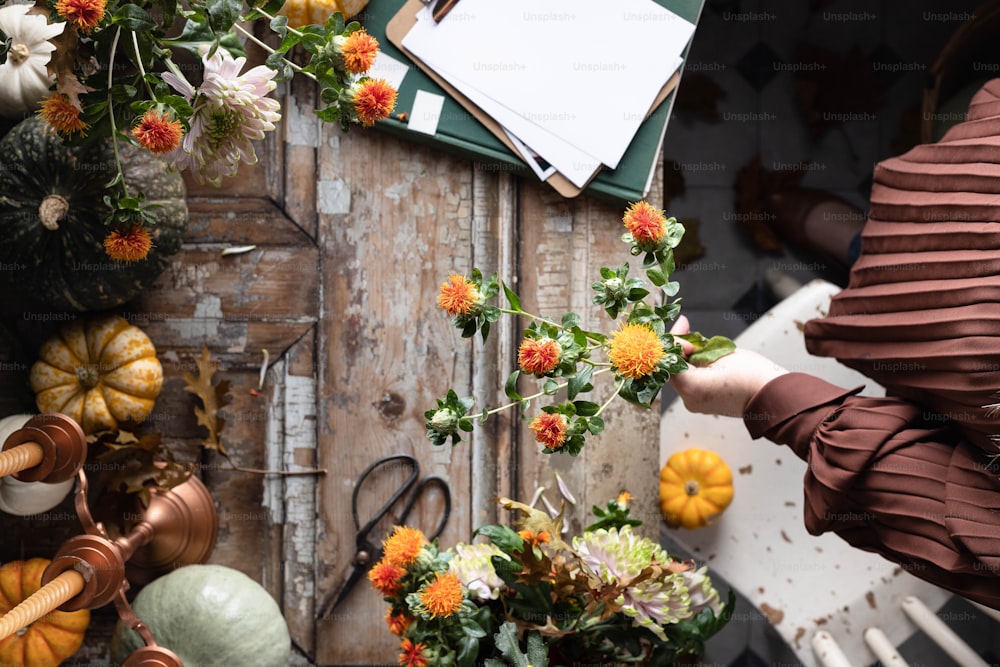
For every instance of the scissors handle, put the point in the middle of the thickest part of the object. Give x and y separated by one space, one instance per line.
382 511
424 484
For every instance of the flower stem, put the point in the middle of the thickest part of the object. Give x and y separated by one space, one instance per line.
142 69
111 112
542 393
271 50
618 389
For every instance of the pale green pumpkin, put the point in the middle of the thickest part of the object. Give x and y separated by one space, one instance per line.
210 616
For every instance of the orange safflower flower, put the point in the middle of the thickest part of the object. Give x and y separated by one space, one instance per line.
538 356
157 133
397 622
403 546
60 113
529 536
385 577
359 52
374 99
550 429
458 296
635 350
646 223
85 15
443 596
128 244
412 655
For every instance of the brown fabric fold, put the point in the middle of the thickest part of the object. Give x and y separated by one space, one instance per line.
921 313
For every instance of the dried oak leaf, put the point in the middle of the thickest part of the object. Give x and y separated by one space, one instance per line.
63 65
137 464
212 397
699 95
753 186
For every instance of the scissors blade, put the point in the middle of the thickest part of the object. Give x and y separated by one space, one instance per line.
335 597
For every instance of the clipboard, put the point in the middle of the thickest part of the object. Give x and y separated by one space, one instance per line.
404 20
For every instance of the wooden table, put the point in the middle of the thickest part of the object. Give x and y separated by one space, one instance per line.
354 233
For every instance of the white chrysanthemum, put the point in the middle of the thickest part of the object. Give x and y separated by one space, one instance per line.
24 78
230 111
701 591
474 567
617 557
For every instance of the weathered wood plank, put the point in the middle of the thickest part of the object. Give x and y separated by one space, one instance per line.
394 221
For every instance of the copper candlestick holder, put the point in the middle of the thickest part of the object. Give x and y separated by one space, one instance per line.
49 448
178 527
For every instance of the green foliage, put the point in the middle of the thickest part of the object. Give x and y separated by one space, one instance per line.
615 515
535 655
651 302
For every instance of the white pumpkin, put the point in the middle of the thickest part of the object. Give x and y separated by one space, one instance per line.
24 79
27 498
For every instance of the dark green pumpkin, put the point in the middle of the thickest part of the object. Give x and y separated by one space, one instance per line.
67 268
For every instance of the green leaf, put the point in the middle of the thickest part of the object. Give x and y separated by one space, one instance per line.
595 425
550 387
502 536
570 320
715 348
470 628
586 408
134 18
510 386
222 14
656 276
468 649
512 297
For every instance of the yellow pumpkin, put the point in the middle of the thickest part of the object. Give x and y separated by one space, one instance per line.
305 12
49 640
696 486
99 371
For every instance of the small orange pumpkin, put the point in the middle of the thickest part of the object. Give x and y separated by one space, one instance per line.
696 486
303 12
99 371
49 640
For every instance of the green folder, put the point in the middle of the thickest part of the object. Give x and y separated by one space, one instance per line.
459 132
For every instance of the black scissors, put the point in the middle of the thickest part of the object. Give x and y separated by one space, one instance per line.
368 551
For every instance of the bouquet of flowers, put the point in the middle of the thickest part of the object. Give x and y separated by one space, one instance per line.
560 355
530 597
171 78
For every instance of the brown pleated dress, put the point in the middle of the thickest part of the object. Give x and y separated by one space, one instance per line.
921 313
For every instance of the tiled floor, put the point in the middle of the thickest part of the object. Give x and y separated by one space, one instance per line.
751 65
866 63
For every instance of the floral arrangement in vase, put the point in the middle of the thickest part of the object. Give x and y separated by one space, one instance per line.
119 70
531 597
561 356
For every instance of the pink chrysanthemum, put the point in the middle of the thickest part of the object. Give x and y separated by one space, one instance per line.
231 110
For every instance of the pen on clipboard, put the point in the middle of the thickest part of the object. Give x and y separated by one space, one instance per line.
442 8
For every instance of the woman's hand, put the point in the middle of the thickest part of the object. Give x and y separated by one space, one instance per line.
725 386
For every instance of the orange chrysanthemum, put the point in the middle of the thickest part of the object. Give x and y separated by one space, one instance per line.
443 596
550 429
359 51
385 577
412 655
128 244
538 356
397 622
157 133
403 546
635 350
646 223
84 15
458 296
374 99
60 113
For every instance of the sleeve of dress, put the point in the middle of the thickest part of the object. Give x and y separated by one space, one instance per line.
887 476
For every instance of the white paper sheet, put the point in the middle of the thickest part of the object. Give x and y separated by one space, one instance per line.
425 114
584 71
